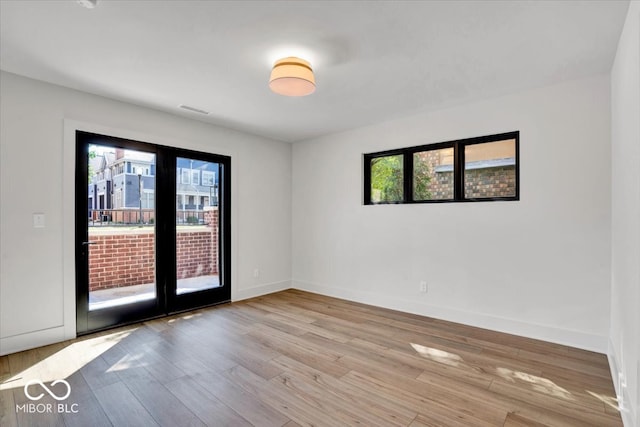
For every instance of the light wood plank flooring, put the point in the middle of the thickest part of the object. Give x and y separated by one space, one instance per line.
296 358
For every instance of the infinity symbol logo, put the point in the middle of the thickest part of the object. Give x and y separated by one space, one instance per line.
52 394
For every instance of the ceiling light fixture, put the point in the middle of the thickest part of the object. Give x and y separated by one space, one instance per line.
292 77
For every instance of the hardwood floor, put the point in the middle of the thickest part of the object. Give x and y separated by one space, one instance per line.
295 358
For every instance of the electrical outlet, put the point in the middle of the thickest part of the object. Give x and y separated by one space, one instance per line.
256 273
423 286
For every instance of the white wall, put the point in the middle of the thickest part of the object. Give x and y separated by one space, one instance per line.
539 267
624 348
37 120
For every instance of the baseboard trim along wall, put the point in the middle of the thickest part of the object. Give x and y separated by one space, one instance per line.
542 332
257 291
511 326
628 411
16 343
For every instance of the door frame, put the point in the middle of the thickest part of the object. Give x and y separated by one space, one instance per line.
165 303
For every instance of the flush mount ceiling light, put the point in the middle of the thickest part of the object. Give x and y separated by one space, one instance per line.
292 77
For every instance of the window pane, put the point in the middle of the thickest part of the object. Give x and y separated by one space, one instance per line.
185 176
433 174
490 169
386 179
207 178
121 227
197 253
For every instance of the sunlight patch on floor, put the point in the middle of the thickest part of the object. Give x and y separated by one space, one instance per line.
185 317
66 361
128 361
610 401
539 384
436 355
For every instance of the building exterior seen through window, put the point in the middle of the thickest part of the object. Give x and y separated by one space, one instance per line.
122 226
125 180
476 169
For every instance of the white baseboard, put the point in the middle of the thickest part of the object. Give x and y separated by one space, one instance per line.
31 340
511 326
44 337
629 414
542 332
257 291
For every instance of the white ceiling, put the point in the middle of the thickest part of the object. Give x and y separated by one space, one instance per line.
373 60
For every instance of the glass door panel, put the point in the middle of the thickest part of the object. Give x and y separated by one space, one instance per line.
197 222
121 227
199 250
116 239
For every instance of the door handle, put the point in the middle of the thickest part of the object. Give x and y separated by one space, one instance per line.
89 243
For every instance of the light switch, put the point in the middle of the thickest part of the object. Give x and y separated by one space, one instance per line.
38 220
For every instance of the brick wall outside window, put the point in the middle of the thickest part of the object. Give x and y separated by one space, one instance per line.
123 258
486 182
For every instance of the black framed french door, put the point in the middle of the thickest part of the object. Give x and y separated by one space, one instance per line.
152 230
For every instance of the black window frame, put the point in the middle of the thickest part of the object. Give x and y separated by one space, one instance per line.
458 169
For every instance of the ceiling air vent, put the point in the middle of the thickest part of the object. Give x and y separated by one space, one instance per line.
193 109
89 4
